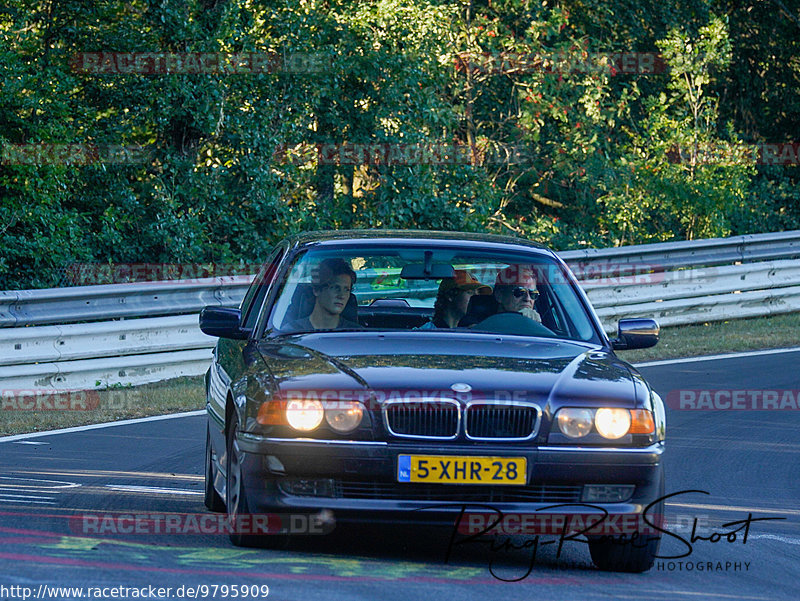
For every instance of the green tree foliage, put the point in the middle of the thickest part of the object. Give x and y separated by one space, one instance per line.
677 170
549 138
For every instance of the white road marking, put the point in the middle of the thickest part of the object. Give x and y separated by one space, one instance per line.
153 490
791 540
28 486
670 593
717 357
732 508
124 422
30 442
5 494
36 483
104 473
27 502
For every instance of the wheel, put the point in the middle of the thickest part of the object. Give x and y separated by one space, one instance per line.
612 556
211 498
235 493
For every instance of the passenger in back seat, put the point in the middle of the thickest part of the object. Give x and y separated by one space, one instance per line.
452 300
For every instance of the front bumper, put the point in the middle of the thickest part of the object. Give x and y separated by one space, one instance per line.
553 472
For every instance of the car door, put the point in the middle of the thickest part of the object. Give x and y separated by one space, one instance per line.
228 362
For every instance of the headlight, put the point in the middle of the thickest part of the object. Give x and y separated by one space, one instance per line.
304 415
612 423
344 416
575 422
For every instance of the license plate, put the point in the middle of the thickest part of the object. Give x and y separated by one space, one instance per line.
457 469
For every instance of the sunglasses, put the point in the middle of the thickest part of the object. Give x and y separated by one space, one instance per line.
519 291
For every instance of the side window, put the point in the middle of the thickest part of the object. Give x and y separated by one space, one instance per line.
254 298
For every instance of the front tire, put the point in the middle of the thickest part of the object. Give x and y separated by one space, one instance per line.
629 556
612 556
235 493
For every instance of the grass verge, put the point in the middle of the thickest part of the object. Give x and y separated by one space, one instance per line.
187 394
716 338
98 406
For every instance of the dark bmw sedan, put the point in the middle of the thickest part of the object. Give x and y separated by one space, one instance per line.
433 377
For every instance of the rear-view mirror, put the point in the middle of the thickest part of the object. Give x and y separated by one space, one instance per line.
434 271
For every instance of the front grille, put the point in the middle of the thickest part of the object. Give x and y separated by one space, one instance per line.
437 418
492 421
357 489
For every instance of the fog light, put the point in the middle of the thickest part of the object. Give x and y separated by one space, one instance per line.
612 423
575 422
607 493
308 488
304 415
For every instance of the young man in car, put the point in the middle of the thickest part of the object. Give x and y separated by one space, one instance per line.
452 299
333 282
515 291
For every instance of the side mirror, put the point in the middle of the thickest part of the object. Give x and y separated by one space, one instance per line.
222 322
636 333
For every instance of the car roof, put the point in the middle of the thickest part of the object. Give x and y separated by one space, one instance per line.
379 236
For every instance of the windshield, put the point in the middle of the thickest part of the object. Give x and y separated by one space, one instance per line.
430 289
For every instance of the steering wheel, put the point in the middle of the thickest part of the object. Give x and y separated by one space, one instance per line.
513 323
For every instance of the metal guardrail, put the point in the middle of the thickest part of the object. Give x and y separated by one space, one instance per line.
712 251
20 346
675 282
111 301
87 374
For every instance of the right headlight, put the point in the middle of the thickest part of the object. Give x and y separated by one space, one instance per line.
304 414
612 423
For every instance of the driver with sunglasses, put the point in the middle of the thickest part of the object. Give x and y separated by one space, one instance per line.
515 291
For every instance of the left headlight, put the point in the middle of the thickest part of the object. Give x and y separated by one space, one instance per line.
303 414
306 414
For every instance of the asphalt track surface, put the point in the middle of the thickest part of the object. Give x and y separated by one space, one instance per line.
749 462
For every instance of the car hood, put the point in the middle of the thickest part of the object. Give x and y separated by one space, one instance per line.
554 373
